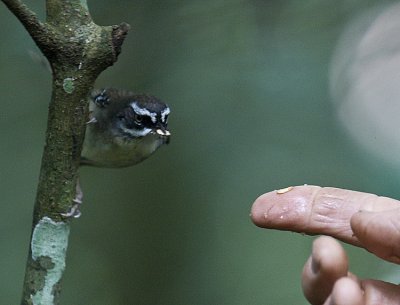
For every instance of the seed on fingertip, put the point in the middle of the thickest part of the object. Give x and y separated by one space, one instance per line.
285 190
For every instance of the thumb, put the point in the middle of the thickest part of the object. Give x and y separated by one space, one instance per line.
379 233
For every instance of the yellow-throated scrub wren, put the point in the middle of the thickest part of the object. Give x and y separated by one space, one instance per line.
123 130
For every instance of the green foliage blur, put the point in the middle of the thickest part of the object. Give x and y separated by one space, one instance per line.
247 82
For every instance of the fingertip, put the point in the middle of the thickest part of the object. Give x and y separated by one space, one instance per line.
258 212
330 255
286 209
265 208
346 291
328 262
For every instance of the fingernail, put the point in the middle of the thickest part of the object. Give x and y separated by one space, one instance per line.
315 265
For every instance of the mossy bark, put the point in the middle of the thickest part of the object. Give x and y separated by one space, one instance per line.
78 50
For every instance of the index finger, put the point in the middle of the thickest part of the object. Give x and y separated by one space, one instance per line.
316 210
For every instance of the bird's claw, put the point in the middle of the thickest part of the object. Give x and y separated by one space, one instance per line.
92 120
77 202
74 210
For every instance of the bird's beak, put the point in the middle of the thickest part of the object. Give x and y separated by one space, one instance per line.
164 133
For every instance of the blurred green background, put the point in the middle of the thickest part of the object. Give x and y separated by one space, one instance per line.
248 85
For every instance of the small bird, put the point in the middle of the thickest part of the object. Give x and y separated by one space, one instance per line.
123 130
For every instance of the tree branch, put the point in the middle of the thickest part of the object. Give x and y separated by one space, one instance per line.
24 15
78 50
118 34
40 32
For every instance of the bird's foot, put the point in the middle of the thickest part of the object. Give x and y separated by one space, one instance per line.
74 210
76 203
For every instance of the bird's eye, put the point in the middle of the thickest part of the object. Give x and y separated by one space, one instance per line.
139 119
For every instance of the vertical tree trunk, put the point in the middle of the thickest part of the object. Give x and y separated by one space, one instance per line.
78 50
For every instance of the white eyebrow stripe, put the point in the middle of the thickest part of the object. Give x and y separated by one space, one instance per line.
164 113
142 111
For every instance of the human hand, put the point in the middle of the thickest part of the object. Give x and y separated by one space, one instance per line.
360 219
